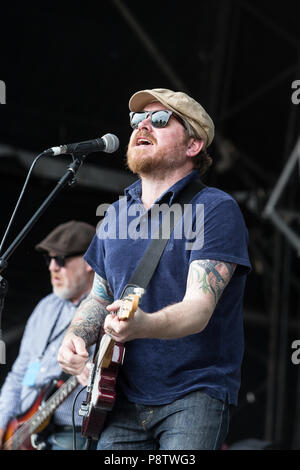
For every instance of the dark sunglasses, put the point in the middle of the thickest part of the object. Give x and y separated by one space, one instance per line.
59 260
158 118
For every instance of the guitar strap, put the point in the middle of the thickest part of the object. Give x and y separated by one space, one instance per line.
145 269
140 278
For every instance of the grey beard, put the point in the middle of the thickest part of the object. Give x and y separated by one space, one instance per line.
67 293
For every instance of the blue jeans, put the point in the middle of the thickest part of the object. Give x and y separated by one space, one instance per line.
63 440
193 422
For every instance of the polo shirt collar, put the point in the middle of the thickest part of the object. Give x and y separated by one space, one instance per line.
134 191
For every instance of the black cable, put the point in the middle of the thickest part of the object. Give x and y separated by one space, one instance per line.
73 418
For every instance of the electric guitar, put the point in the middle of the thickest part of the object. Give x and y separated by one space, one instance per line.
108 357
22 431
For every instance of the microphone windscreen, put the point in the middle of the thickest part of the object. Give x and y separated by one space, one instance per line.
111 143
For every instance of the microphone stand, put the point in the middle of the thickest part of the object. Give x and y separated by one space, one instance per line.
67 178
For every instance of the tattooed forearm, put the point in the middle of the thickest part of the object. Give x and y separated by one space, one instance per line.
91 314
210 276
88 320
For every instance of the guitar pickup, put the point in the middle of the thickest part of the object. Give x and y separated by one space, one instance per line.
90 379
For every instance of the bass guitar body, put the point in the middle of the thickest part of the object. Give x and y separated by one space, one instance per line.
30 430
21 422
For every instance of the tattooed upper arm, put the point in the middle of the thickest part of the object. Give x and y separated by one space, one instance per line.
101 289
209 278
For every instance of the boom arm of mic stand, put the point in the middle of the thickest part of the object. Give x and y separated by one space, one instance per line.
67 178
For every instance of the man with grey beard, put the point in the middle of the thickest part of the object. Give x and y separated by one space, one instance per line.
36 365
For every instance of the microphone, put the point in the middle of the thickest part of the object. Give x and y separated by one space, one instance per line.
108 143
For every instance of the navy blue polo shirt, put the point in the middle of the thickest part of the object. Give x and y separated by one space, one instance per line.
158 371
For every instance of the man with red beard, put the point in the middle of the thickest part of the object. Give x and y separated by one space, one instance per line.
184 345
36 365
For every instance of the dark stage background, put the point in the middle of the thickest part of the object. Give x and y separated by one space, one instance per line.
70 69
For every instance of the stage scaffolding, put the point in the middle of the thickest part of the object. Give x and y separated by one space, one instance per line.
270 200
273 201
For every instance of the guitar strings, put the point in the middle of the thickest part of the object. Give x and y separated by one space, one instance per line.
26 426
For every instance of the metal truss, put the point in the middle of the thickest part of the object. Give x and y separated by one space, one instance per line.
275 255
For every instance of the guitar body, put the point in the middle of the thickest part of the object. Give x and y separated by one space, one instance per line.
29 430
101 393
20 424
102 397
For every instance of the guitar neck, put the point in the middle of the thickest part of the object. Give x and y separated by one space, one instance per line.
105 351
40 416
128 306
48 408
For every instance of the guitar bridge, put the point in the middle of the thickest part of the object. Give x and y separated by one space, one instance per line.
84 409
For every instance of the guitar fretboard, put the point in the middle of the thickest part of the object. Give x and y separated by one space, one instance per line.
46 410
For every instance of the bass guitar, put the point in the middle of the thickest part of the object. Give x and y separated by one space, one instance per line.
107 359
22 432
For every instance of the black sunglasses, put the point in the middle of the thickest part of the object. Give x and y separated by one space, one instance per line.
158 118
59 260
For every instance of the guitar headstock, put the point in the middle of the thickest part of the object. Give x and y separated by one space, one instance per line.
129 304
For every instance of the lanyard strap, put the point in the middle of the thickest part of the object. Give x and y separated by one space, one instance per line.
50 339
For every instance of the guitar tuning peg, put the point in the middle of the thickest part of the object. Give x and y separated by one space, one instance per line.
139 291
